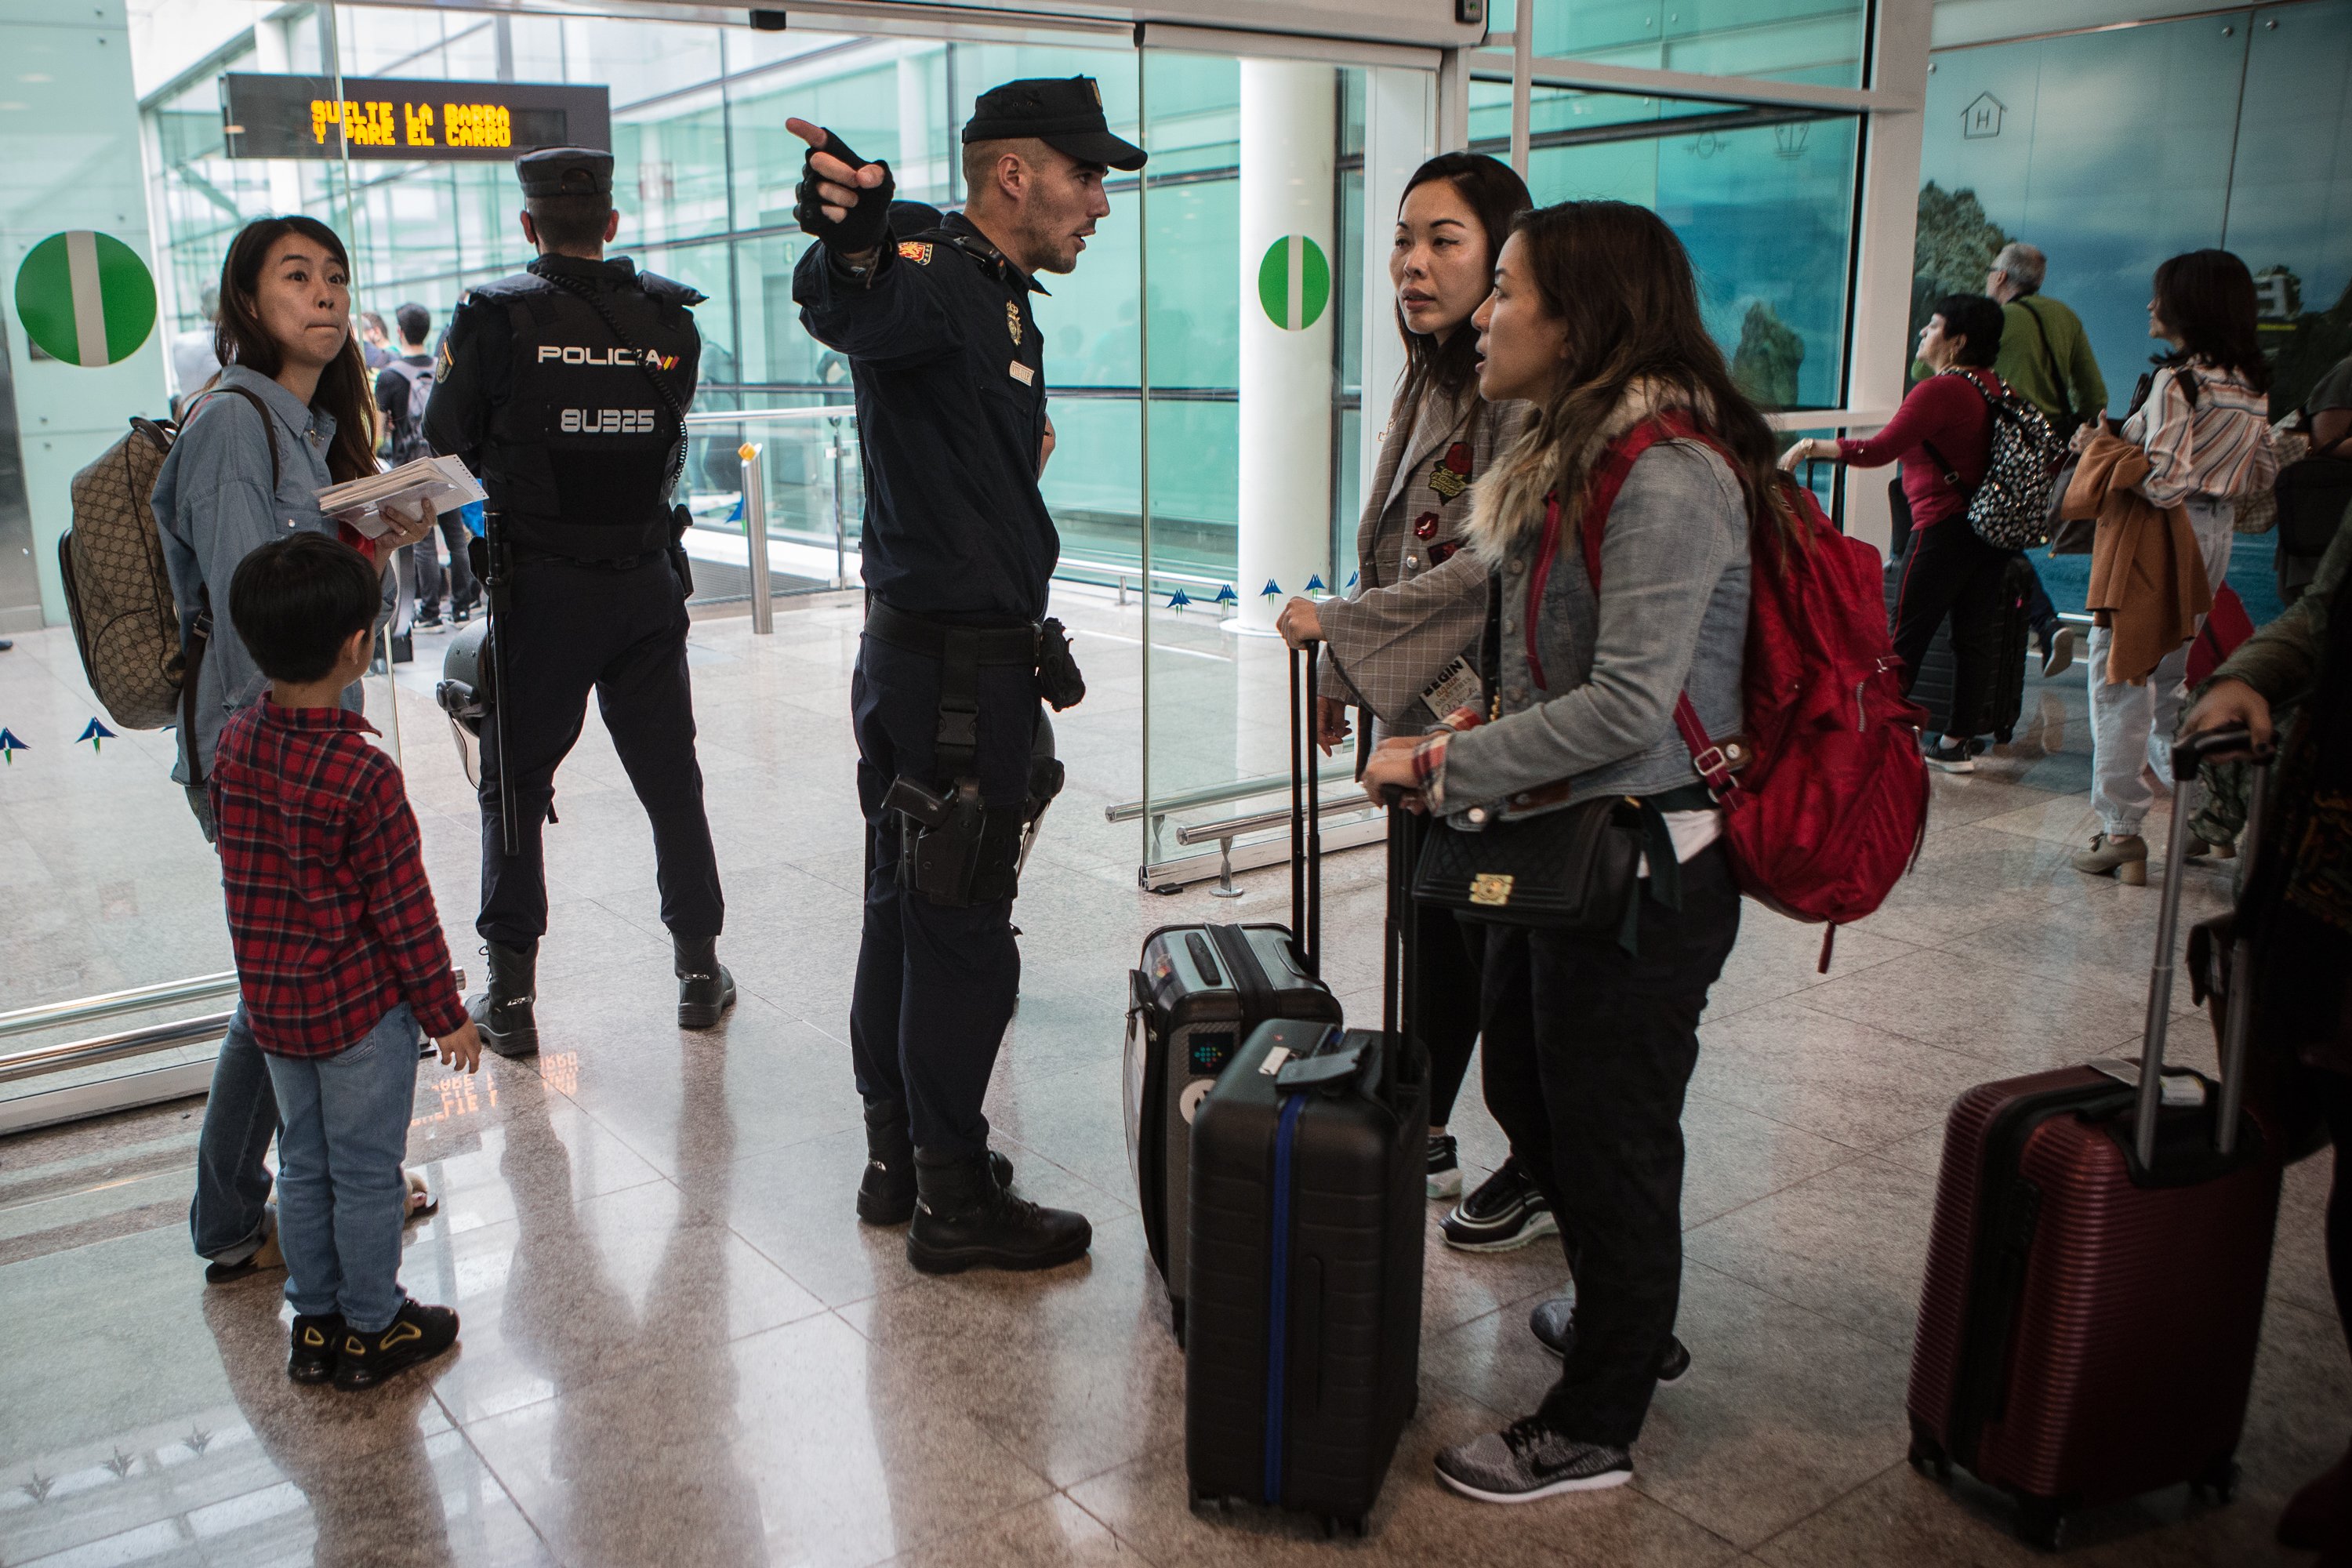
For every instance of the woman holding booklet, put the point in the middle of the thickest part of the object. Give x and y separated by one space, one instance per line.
289 414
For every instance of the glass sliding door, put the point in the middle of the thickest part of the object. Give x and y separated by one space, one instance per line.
1254 243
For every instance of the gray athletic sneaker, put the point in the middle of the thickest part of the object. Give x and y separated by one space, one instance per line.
1527 1460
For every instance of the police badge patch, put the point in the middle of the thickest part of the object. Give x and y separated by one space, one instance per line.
1012 321
917 251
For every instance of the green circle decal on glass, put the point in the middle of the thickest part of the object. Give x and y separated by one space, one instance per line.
1294 282
85 297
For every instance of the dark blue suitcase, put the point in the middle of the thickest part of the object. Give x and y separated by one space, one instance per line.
1302 1358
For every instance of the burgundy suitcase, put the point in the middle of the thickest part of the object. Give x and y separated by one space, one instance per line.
2096 1270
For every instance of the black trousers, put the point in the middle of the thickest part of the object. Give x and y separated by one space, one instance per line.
2334 1091
1445 991
935 984
422 562
573 628
1588 1052
1948 571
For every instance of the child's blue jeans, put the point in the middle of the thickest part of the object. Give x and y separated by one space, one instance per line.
341 1197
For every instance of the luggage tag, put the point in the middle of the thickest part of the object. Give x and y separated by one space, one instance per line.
1325 1070
2182 1086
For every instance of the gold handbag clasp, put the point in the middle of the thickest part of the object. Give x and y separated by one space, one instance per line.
1492 888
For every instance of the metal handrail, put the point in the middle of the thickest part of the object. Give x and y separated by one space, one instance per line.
1218 795
42 1060
108 1005
1234 826
773 416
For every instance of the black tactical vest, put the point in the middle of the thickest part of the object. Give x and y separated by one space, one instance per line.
582 454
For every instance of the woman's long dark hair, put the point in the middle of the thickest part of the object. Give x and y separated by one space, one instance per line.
1622 284
2206 299
240 338
1497 196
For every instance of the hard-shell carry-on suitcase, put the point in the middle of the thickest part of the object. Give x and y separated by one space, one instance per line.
2096 1268
1308 1158
1196 994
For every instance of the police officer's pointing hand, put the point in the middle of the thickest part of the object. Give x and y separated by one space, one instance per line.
838 184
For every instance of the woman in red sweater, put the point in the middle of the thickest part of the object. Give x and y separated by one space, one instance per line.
1942 435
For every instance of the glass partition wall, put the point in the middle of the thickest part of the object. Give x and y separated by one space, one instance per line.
1238 291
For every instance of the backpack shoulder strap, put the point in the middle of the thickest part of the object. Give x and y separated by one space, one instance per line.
268 427
2049 357
1608 478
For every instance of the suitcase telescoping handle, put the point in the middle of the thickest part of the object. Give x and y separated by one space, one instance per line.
2188 755
1400 941
1305 812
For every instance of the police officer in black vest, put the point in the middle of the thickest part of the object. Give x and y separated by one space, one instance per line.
565 387
954 750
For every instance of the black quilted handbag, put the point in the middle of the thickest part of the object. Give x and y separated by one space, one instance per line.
1571 871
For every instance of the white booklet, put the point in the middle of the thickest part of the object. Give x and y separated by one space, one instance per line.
440 484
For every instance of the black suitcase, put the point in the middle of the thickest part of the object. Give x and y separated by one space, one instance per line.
1302 1364
1933 688
1198 991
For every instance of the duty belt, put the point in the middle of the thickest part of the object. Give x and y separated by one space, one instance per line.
961 651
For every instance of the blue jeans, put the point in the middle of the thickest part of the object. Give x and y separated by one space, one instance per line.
232 1203
341 1198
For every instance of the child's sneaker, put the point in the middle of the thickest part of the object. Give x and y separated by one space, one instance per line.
417 1332
317 1343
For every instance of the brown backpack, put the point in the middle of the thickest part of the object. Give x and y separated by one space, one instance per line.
117 592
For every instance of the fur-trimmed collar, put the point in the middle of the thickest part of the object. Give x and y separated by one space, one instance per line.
1508 510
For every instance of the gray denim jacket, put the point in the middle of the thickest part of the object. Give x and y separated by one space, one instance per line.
1672 616
213 507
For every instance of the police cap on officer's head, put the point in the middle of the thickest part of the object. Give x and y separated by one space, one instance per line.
1064 112
565 171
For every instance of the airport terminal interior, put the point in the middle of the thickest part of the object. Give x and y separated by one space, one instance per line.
680 1345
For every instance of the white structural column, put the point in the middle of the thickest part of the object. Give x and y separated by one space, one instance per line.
1889 225
1287 288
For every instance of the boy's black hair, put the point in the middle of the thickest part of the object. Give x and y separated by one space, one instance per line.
296 601
1978 317
414 321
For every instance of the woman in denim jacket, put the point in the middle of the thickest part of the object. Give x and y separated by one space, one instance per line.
1595 319
231 484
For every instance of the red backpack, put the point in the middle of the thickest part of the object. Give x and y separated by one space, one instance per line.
1831 807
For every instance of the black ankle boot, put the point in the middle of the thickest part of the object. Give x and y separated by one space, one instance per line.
705 989
964 1219
503 1013
886 1195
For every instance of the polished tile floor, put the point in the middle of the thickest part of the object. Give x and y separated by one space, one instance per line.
680 1347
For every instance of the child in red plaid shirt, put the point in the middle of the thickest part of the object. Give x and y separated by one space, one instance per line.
339 957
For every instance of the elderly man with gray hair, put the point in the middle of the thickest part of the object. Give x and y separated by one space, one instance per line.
2046 356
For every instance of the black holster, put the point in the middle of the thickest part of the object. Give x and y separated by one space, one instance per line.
955 849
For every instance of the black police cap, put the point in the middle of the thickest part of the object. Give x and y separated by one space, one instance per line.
1064 112
565 171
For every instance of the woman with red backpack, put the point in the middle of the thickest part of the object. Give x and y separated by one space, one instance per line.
1590 1027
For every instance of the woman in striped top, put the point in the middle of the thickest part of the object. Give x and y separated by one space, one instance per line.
2202 417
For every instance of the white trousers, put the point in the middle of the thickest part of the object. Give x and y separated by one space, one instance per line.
2132 726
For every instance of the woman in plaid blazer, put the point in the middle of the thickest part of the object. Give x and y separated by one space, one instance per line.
1402 645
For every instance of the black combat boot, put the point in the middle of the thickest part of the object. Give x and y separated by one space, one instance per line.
503 1013
886 1194
964 1219
705 989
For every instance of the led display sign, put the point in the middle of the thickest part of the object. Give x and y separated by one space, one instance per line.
386 117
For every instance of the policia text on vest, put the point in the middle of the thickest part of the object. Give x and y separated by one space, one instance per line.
565 388
954 749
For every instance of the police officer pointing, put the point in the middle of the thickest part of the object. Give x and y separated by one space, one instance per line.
954 750
565 387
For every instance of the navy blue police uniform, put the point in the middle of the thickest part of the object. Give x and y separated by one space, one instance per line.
563 387
948 368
